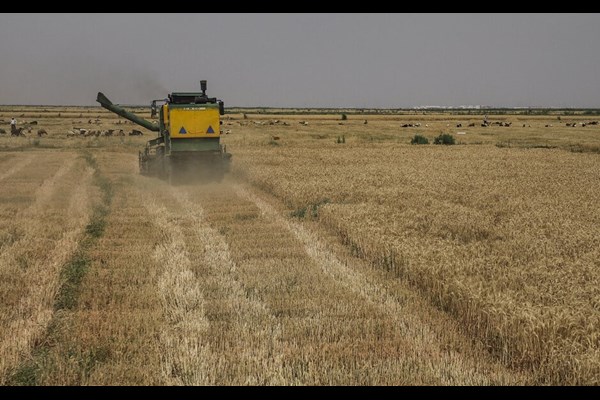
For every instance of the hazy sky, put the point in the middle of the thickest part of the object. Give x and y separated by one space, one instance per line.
304 60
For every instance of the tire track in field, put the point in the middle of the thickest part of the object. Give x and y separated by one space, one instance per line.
451 366
264 350
36 306
19 165
185 358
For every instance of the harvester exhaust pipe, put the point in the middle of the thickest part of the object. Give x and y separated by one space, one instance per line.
203 87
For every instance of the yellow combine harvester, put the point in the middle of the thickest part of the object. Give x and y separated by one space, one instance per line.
188 145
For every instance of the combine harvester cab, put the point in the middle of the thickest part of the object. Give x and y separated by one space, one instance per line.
188 147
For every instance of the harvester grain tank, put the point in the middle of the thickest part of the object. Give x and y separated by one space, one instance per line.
188 145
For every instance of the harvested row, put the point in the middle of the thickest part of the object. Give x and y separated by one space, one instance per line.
20 181
262 354
217 334
30 265
185 356
111 335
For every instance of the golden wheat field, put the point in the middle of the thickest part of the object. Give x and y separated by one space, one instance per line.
334 253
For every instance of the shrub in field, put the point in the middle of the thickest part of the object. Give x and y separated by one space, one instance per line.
310 210
419 139
444 138
344 117
341 139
